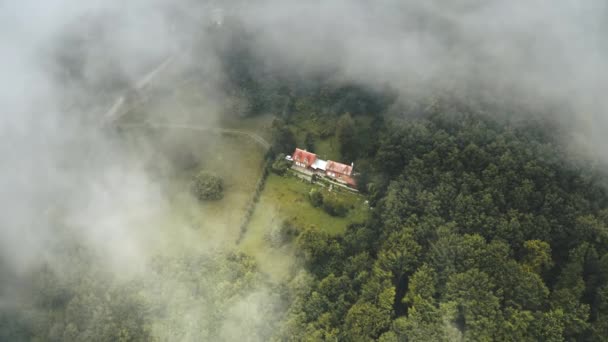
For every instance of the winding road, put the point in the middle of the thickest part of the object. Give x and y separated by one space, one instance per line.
120 107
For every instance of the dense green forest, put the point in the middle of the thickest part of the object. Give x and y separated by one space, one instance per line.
481 232
484 228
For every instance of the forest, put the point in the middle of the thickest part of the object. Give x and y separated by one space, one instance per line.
484 227
481 232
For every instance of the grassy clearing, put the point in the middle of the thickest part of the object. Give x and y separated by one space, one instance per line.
289 196
286 198
238 162
175 156
259 124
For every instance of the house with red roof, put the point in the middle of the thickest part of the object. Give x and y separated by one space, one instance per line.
339 172
303 158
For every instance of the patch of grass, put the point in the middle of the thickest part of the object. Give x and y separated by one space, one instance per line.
286 198
175 156
259 124
238 162
290 196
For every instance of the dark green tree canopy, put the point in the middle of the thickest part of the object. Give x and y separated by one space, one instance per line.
207 186
482 231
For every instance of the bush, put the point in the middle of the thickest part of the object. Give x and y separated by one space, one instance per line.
207 186
280 165
316 198
334 206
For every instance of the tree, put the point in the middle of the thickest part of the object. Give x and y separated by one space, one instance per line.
365 321
316 198
280 165
309 142
345 132
320 251
398 256
521 289
537 257
283 140
478 307
334 206
421 285
207 186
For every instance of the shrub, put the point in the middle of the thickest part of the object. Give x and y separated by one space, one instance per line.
334 206
280 165
207 186
316 198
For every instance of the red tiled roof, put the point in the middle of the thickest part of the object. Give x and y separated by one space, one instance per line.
304 157
336 167
350 181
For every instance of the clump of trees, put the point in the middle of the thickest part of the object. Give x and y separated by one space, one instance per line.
345 132
207 186
90 303
332 205
309 142
283 140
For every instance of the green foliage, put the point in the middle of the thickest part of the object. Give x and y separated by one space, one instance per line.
345 131
537 257
480 232
365 321
191 297
280 165
334 206
316 197
283 140
309 142
282 234
207 186
398 256
319 250
478 306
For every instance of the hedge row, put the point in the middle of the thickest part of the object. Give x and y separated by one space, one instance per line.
266 164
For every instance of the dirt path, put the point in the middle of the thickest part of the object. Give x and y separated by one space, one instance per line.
253 136
118 107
